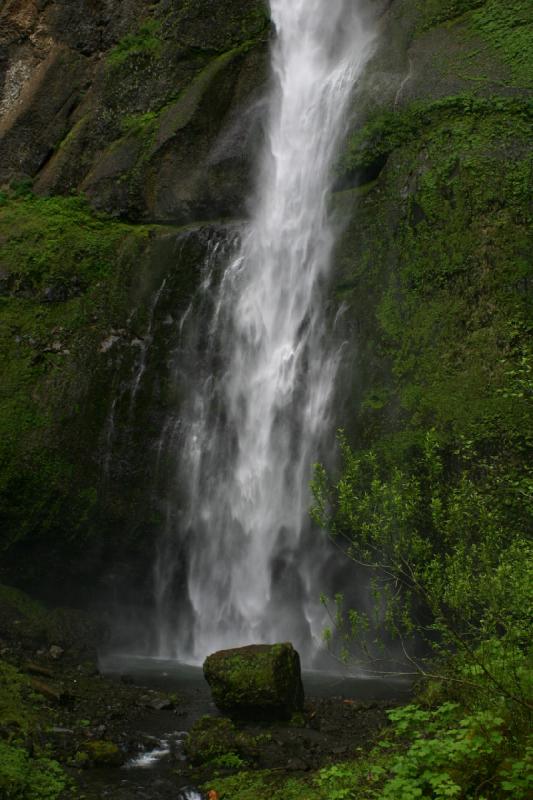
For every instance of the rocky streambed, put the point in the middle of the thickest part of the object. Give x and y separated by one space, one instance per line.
340 719
131 728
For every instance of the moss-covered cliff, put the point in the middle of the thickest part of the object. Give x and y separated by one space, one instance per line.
435 261
120 124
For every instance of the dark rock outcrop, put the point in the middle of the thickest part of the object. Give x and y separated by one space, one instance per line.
145 108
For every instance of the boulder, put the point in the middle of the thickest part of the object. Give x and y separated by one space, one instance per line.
211 740
100 753
258 681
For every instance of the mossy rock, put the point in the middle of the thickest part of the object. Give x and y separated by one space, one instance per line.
257 681
216 740
100 753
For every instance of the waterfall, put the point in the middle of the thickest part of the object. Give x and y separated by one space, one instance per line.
261 369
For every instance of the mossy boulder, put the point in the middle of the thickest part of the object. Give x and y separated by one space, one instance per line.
100 753
216 741
259 681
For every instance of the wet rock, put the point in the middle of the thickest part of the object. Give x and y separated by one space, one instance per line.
37 669
258 681
297 765
213 737
161 704
51 693
55 294
100 753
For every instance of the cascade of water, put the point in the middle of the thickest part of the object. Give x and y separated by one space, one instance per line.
260 395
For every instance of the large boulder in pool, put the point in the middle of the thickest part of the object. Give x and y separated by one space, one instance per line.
259 681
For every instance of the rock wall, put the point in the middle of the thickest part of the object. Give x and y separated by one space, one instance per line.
127 129
143 107
433 264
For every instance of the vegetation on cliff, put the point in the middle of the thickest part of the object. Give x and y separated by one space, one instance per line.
64 280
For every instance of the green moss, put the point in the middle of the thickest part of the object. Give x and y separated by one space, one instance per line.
145 41
62 286
138 123
179 113
507 26
255 679
437 271
17 714
435 12
102 754
23 776
372 145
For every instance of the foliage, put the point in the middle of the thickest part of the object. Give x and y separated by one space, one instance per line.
25 778
452 562
507 26
16 715
228 761
503 27
263 785
446 755
431 754
435 754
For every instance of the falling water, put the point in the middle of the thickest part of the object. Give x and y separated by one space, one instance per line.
263 372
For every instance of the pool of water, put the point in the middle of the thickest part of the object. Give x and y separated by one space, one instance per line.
174 676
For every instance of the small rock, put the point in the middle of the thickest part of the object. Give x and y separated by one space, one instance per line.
297 765
161 704
108 343
339 750
47 691
55 294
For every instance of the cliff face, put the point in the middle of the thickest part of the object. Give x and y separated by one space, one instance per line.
140 106
147 112
434 264
150 113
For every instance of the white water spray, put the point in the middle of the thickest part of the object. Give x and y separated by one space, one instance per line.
255 421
